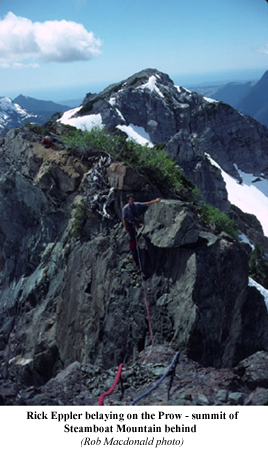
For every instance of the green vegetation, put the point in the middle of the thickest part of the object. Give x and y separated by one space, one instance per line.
35 128
219 220
78 218
258 266
155 165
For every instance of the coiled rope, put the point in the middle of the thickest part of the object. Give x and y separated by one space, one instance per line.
102 396
174 361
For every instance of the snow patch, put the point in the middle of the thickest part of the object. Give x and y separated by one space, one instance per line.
67 115
151 85
181 89
82 122
210 100
261 289
187 90
136 133
120 114
184 105
9 110
112 101
251 197
6 103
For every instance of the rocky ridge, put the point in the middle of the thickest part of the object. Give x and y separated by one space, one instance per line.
188 126
72 301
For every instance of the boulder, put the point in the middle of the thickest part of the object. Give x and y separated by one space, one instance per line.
124 178
258 397
170 224
253 370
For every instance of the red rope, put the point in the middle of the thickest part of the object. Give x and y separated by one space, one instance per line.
148 313
102 396
145 293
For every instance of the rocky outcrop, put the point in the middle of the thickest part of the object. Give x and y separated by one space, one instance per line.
189 384
188 126
71 295
249 225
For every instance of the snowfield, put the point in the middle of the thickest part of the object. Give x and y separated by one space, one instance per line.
82 122
261 289
136 133
151 85
251 196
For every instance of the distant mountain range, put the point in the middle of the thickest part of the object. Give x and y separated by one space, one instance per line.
14 113
229 93
249 98
255 102
34 106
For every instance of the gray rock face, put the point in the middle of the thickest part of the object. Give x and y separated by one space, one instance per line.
178 221
81 297
192 384
189 125
253 370
69 290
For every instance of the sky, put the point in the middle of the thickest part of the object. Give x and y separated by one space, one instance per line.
59 50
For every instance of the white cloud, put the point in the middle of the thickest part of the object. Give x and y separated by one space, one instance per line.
24 66
263 49
50 41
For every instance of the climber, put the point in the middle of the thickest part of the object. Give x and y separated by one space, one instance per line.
130 214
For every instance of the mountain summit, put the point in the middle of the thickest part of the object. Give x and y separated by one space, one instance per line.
34 106
213 143
71 297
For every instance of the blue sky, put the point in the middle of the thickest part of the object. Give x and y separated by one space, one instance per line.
63 49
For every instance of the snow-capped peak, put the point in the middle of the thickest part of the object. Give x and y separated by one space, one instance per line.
151 85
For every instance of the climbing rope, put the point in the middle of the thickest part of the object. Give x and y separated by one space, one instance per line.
172 366
173 363
145 292
105 394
